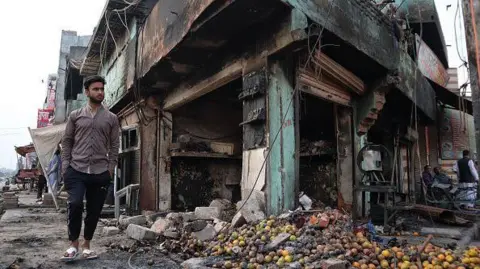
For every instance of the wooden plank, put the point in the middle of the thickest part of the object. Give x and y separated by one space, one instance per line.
204 155
339 73
323 90
165 177
187 93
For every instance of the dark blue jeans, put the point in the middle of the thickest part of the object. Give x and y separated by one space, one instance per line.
94 188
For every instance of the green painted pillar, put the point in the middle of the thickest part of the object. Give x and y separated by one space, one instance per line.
281 162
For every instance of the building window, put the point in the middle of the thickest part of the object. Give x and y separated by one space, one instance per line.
130 139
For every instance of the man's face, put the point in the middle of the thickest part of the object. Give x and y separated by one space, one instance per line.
428 169
96 92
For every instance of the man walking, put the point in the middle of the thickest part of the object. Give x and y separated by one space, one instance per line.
89 156
467 180
41 185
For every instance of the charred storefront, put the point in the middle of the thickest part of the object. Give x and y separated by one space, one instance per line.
229 99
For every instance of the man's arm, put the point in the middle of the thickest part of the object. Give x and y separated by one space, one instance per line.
67 143
114 146
473 170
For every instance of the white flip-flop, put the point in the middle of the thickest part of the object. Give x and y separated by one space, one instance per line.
89 254
70 251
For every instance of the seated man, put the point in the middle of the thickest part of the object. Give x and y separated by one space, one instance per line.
441 179
427 177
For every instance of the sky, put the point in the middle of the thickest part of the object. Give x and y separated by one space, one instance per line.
30 47
29 51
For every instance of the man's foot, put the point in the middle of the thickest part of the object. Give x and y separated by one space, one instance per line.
70 254
89 254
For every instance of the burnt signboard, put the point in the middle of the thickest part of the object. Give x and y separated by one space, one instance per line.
167 25
429 64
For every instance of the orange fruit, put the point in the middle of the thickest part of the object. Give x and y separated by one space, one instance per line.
356 264
441 257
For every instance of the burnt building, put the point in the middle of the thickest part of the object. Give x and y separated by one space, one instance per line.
218 98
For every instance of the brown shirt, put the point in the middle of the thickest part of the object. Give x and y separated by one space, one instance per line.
91 141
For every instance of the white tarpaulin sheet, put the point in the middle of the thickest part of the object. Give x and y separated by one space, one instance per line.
46 141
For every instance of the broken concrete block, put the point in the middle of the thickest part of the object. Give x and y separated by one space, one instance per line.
220 226
8 194
238 220
221 203
140 233
161 225
154 216
183 216
109 231
170 233
194 226
194 263
445 232
252 216
278 240
208 212
138 220
333 264
256 201
208 233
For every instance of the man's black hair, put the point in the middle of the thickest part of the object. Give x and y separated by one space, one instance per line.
466 153
92 79
426 166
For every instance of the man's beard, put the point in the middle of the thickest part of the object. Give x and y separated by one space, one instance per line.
95 101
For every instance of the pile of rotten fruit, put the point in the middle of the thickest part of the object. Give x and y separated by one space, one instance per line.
300 241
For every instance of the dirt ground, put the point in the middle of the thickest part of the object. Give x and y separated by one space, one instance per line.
34 237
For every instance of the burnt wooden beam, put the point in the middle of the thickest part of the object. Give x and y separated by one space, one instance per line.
291 30
187 93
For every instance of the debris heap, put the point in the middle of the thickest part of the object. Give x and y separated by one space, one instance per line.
297 240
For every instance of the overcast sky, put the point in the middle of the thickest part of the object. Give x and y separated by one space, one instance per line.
29 51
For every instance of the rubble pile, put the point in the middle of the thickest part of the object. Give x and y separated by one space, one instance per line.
298 240
10 200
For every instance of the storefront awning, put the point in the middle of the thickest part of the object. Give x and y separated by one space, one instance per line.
447 97
24 150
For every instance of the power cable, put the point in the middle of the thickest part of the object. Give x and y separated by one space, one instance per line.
455 33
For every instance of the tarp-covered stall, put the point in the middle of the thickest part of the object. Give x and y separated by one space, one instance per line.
46 141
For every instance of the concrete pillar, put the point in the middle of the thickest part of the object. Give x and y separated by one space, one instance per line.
281 183
345 168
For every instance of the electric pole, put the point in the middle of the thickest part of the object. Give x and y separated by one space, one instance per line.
471 18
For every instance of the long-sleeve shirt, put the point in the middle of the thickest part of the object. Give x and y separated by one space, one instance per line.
471 166
91 141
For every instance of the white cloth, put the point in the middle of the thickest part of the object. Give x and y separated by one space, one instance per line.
467 193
